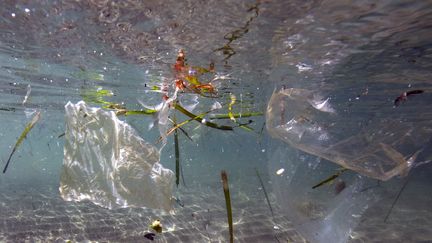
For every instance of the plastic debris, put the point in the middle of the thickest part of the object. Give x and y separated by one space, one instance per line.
106 162
379 148
323 215
280 171
26 97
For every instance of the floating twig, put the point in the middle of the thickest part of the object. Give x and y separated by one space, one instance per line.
224 177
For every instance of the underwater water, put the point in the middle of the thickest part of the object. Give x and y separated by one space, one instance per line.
283 95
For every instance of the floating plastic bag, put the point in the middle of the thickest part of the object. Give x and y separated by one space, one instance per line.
379 144
106 162
326 214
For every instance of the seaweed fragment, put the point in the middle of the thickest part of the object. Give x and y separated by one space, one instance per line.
200 119
177 154
265 192
224 177
233 119
27 129
331 178
235 115
134 112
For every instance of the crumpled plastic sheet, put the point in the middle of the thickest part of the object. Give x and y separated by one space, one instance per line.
381 147
108 163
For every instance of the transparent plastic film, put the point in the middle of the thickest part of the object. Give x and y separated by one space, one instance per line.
326 214
108 163
381 147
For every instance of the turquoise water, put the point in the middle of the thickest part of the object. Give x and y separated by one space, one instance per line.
358 57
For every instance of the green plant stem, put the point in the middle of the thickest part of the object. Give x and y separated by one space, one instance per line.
140 112
224 177
27 129
235 115
177 154
200 119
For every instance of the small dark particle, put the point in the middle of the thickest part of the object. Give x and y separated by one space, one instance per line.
339 187
7 109
179 202
150 236
404 96
417 91
61 135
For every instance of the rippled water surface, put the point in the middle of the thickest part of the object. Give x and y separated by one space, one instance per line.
360 56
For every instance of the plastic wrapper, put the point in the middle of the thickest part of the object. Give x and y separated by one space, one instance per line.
108 163
378 143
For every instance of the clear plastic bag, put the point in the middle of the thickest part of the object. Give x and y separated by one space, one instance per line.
374 143
324 214
108 163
